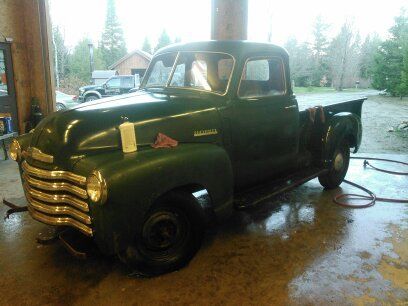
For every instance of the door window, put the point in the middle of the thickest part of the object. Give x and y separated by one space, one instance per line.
113 83
262 77
3 76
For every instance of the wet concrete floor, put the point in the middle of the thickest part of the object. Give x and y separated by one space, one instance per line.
297 249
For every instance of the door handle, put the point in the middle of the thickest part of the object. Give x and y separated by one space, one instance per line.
292 106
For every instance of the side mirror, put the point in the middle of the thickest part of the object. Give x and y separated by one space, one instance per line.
105 85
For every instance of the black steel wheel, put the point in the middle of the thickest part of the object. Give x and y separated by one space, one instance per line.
170 236
338 168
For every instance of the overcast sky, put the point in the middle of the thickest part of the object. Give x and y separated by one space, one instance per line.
191 19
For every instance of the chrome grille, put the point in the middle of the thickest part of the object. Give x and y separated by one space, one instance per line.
57 197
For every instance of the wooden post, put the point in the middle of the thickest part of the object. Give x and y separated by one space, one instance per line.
229 19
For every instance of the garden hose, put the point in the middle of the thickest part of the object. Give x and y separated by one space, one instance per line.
370 195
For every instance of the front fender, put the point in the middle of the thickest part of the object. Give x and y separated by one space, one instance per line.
136 180
92 92
341 125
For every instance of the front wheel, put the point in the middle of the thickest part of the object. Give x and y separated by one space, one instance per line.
171 235
91 98
339 166
60 106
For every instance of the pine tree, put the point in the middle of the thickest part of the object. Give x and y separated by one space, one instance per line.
319 49
146 46
112 44
391 60
367 60
164 40
79 62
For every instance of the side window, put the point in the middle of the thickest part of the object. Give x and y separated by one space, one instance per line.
127 82
179 75
199 75
262 77
112 83
225 68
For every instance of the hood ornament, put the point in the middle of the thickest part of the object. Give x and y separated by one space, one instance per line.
36 154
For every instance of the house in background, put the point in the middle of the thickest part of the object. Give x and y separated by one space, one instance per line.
101 76
135 62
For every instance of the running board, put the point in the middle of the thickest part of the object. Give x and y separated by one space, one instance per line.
253 196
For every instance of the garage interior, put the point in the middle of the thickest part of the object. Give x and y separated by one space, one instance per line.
298 248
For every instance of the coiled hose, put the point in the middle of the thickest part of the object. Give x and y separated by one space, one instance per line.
371 195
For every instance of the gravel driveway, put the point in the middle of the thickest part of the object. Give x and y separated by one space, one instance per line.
380 114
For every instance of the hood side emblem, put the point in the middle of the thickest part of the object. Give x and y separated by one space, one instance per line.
205 132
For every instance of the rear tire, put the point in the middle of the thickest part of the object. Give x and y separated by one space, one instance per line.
171 235
339 166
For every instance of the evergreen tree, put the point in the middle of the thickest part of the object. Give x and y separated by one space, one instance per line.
79 62
319 49
391 67
164 40
368 51
112 44
146 46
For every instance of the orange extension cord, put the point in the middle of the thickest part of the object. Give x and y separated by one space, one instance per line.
371 195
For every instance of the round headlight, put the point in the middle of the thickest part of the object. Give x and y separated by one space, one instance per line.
96 188
15 150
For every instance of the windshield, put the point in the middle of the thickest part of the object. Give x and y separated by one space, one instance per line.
191 70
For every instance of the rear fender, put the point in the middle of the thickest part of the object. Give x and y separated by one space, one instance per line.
341 126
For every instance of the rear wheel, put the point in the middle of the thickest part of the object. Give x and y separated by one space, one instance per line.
171 235
339 166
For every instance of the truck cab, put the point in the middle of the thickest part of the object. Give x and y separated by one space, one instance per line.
218 116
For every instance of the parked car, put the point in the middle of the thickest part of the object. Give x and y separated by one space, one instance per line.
218 116
116 85
64 101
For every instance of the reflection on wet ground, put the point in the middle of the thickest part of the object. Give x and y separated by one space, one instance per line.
297 249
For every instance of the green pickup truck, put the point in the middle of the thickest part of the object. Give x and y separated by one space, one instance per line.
218 116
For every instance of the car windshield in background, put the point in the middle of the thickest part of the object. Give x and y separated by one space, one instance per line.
193 70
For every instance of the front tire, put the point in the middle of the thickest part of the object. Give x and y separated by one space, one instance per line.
60 106
171 235
91 98
339 166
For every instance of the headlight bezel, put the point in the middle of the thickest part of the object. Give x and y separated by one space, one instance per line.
99 191
15 150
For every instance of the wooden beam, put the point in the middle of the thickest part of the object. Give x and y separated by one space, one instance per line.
229 19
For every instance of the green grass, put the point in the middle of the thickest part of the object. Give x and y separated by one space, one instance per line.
313 89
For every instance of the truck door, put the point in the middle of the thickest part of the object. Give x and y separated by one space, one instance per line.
112 87
127 83
264 123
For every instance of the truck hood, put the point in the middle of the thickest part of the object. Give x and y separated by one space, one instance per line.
92 128
90 87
